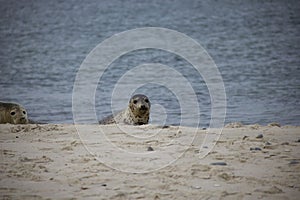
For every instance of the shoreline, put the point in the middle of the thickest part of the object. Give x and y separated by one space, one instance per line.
54 161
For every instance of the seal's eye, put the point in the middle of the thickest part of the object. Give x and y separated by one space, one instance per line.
24 112
147 100
12 113
135 101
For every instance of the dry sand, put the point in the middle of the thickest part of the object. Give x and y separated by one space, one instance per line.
55 162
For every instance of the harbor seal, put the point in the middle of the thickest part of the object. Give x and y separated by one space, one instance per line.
137 112
12 113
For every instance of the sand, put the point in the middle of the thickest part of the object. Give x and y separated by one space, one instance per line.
102 162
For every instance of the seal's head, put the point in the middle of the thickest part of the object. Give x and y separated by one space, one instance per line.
140 105
18 114
12 113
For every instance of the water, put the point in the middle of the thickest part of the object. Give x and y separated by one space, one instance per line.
255 45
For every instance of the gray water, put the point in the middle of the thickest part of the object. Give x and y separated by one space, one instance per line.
255 44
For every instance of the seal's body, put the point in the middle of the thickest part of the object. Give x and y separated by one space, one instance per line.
137 112
12 113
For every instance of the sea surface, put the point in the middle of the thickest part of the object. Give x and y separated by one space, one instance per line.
254 44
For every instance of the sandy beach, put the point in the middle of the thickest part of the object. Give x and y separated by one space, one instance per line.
101 162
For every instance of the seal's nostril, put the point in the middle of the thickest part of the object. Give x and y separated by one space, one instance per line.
143 107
